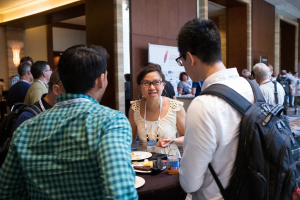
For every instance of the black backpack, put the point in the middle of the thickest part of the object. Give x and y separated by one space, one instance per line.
285 84
267 165
6 130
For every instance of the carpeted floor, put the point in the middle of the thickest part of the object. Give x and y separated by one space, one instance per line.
294 119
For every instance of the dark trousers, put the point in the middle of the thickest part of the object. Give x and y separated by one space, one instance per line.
127 106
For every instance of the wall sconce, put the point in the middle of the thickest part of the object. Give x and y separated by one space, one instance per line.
16 47
16 56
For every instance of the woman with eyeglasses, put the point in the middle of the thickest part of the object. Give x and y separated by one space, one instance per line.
154 118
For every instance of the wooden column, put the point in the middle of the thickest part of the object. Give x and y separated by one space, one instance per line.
100 30
49 32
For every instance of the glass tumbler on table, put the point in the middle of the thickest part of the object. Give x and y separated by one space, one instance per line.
173 160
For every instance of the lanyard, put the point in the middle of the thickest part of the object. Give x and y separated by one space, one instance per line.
42 84
158 121
67 102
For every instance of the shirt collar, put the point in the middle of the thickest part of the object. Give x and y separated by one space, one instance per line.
46 105
69 96
219 76
41 82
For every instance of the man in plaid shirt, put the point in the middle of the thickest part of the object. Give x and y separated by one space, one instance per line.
79 149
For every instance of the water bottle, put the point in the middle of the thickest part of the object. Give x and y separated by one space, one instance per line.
173 160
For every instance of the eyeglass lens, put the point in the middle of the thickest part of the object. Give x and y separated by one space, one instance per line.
148 83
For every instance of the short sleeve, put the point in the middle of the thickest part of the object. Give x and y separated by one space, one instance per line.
180 85
135 105
176 105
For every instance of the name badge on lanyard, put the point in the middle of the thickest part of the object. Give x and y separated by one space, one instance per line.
151 144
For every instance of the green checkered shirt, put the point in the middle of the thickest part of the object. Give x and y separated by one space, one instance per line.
75 151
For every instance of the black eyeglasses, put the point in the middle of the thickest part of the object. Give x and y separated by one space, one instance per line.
154 83
179 61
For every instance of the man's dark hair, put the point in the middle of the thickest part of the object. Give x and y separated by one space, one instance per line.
182 74
200 38
37 69
148 68
80 66
127 77
25 59
23 68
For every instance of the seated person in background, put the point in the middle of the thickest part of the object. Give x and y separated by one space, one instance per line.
196 89
155 119
47 101
184 86
2 85
78 149
246 74
267 87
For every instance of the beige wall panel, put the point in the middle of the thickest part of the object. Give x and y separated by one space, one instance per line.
35 43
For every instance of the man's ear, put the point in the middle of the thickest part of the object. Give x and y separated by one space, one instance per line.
100 81
191 57
55 89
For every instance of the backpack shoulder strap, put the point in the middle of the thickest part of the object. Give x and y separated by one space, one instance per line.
275 92
232 97
32 109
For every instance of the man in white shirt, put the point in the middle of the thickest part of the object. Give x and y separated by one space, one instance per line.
212 125
267 87
272 73
297 95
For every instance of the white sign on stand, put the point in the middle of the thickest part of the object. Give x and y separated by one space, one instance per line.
165 56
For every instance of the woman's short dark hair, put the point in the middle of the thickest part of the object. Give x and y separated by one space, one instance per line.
148 68
182 74
80 66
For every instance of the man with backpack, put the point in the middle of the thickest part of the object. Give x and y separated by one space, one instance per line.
287 86
236 146
23 112
273 91
46 102
212 125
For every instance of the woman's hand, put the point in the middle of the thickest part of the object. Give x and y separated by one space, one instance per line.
165 142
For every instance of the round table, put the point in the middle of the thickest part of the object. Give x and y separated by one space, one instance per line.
160 186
